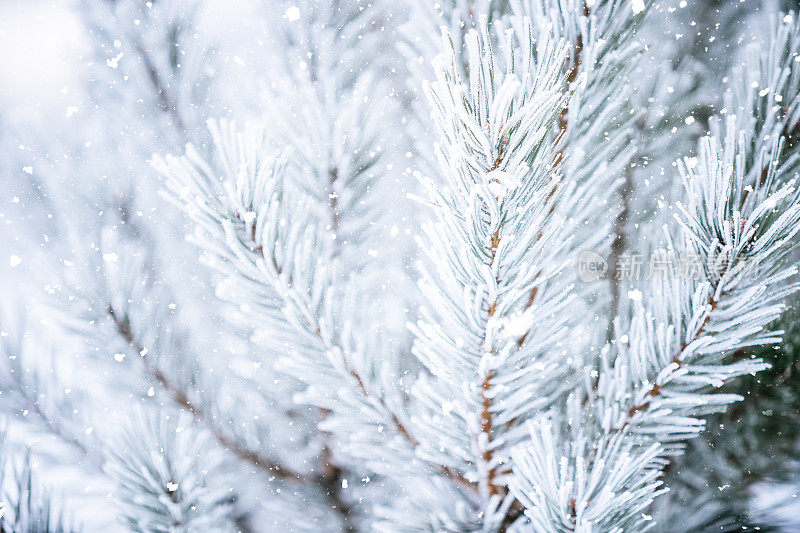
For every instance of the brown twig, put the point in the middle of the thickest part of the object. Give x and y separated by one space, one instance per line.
333 208
678 360
181 399
563 125
486 385
618 247
572 75
332 482
166 101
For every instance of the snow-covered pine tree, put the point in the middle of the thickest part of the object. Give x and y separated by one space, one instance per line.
293 378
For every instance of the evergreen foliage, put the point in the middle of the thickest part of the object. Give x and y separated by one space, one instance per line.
523 265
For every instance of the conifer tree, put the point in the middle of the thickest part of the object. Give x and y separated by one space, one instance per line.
523 265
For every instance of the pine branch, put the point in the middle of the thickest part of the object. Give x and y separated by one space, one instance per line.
50 423
260 255
167 101
352 374
604 33
749 445
25 505
128 29
572 76
618 247
554 127
182 400
163 475
654 394
563 124
27 390
494 182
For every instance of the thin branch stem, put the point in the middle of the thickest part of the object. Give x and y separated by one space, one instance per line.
182 400
376 400
677 359
618 247
486 423
50 424
331 482
333 209
563 118
166 100
563 125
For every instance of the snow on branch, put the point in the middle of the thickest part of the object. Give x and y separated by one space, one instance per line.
488 246
654 389
259 229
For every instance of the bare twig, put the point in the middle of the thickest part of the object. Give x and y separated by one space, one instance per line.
166 100
618 247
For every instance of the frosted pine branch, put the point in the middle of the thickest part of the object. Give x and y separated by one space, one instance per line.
497 276
675 351
25 504
495 168
253 219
